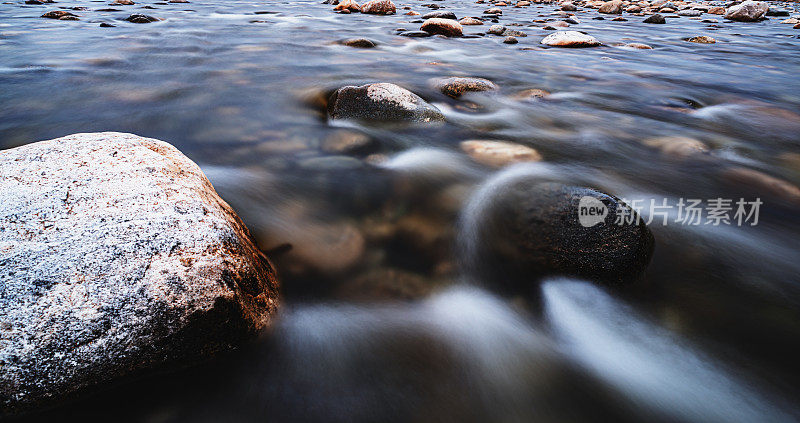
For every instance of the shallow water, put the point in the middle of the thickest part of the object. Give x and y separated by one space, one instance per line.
378 326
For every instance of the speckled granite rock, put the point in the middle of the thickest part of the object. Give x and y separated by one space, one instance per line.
117 258
381 102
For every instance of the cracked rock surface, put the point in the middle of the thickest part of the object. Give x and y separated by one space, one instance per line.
117 258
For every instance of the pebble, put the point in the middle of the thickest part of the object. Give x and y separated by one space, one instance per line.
446 27
359 43
379 7
439 14
570 39
470 21
638 46
456 86
510 40
655 19
141 19
613 7
349 5
60 15
677 146
496 30
382 102
530 94
701 39
499 153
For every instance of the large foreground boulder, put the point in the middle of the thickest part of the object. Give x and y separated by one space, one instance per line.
381 102
117 258
529 230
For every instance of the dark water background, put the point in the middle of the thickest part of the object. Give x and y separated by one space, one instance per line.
378 326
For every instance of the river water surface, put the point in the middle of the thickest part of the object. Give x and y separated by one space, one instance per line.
381 321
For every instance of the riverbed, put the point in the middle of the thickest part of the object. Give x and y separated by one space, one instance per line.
366 222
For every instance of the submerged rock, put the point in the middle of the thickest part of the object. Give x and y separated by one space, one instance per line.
447 27
701 39
141 19
677 146
749 11
456 86
358 42
379 7
527 231
499 153
570 39
439 14
381 102
60 15
118 258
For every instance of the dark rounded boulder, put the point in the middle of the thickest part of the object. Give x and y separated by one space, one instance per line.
527 231
655 19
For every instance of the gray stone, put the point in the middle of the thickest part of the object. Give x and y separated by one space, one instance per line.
749 11
381 102
117 258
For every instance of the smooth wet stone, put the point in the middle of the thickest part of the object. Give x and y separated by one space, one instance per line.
415 34
493 11
749 11
457 86
499 153
689 13
347 142
358 42
349 5
776 12
763 184
655 19
381 102
634 9
118 259
141 19
638 46
470 21
379 7
446 27
677 146
439 14
568 7
496 30
60 15
510 40
514 33
530 94
570 39
123 3
613 7
701 39
531 230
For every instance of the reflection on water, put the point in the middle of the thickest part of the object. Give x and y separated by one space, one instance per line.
359 217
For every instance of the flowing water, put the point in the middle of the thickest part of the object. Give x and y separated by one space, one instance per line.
372 226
